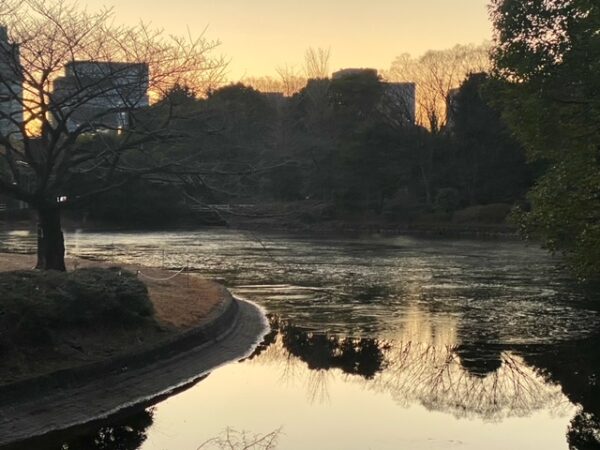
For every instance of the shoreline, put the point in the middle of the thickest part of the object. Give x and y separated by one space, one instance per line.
52 402
61 409
431 229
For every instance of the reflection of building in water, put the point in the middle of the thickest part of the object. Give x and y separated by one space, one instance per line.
100 95
11 90
422 363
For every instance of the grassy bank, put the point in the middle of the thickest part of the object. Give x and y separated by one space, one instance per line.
37 306
51 321
313 217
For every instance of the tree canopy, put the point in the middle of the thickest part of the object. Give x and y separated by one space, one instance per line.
547 58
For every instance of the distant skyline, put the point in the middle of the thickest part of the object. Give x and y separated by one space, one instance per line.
261 35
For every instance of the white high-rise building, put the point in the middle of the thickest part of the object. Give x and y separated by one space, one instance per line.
100 94
11 88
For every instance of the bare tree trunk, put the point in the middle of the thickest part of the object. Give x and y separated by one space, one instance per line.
51 242
426 185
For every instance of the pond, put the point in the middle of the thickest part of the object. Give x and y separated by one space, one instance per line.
376 343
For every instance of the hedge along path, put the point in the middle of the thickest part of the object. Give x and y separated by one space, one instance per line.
181 300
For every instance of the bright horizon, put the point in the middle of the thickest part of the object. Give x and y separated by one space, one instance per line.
259 37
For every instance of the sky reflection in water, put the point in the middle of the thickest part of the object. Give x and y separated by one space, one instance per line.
380 342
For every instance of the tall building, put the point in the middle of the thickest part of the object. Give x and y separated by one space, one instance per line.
11 88
351 72
100 94
451 108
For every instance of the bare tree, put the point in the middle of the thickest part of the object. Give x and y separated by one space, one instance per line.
288 81
231 439
436 73
76 91
264 83
316 62
291 78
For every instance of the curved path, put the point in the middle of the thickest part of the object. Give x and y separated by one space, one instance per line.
231 334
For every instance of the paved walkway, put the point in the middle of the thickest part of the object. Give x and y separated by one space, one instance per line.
231 340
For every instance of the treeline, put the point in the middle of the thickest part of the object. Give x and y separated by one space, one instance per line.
547 61
339 149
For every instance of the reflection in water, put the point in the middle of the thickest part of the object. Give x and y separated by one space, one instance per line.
489 331
231 439
354 356
126 435
366 286
479 360
576 366
584 431
484 382
123 433
436 378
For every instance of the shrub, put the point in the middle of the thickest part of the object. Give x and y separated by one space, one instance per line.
495 213
447 200
33 305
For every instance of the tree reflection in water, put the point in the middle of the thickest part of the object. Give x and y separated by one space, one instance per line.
125 433
580 385
363 357
426 363
437 378
360 356
419 364
584 432
422 363
231 439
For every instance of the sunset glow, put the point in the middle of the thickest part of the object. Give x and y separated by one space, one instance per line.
259 36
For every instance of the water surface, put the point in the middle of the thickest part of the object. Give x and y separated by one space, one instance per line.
377 342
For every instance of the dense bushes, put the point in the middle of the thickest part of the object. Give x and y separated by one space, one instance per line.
35 304
140 203
495 213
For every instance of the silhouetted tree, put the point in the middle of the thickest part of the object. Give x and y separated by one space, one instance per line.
547 57
292 79
316 63
45 148
354 97
436 73
488 164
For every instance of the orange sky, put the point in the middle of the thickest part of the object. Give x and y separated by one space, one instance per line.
259 35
